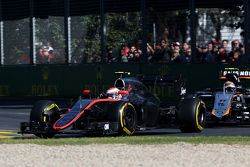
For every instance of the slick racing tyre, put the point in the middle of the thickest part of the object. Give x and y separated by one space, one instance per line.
127 119
124 114
45 113
192 115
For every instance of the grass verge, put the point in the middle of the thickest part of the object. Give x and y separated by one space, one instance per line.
131 140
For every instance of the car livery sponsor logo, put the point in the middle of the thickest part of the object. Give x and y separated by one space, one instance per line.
183 91
241 73
51 106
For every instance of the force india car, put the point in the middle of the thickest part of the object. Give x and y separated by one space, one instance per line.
230 104
127 107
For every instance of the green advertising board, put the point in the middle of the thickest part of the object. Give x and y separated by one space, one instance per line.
70 80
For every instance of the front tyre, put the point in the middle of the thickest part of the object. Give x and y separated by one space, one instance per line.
192 115
44 114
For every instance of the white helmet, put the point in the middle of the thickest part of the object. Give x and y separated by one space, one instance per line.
120 84
113 93
229 86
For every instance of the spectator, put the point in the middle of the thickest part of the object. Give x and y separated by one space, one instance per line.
223 54
124 59
176 56
215 42
124 50
109 56
187 58
43 55
184 48
225 46
165 35
131 53
222 57
150 52
210 54
51 56
46 55
236 56
137 55
236 46
162 52
203 53
134 55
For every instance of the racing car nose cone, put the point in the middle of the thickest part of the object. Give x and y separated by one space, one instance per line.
222 104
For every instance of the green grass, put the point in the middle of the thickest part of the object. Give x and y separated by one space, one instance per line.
130 140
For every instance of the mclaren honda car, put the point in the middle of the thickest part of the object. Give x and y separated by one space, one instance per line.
230 104
126 107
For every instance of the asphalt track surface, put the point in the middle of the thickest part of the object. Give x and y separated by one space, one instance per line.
12 115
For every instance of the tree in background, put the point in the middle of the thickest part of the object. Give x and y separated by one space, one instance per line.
120 28
170 25
85 33
16 40
214 20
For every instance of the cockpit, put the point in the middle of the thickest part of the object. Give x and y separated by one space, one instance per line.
232 83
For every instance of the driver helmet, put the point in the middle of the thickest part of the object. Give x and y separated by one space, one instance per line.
120 84
229 86
113 93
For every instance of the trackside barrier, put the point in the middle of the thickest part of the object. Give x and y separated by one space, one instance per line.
70 80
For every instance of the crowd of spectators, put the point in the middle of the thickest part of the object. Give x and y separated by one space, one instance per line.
216 51
163 52
176 52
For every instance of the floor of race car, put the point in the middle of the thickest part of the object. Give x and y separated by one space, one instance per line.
11 116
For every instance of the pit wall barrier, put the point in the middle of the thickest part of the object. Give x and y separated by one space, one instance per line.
70 80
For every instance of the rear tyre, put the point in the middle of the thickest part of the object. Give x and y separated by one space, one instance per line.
44 113
192 115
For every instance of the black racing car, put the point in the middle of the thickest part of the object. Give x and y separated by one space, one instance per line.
127 107
230 104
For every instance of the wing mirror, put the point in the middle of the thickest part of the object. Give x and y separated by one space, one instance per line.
86 93
123 92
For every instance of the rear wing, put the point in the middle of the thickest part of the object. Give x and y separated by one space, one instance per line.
241 73
122 74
